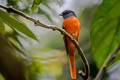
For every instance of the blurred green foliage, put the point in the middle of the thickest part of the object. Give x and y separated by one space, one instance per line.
35 4
105 30
11 65
13 23
46 59
2 27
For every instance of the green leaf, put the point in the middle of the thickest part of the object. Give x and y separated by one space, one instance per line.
105 30
13 23
36 4
2 27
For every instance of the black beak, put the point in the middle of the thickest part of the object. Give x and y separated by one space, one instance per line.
60 14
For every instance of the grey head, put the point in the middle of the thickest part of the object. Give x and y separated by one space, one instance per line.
67 14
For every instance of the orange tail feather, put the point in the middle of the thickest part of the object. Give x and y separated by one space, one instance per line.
72 66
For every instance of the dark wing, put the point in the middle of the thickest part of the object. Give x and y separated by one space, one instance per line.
65 40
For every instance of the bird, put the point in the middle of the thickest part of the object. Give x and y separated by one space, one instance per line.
71 25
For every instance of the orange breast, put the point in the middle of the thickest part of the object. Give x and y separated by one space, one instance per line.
72 26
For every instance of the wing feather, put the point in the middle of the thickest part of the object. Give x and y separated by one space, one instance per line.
65 41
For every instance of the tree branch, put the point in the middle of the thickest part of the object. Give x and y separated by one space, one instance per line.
53 27
108 60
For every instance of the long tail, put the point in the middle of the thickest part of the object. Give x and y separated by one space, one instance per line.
72 66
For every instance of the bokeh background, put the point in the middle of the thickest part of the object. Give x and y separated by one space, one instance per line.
46 59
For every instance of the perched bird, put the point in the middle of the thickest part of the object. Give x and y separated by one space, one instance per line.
72 26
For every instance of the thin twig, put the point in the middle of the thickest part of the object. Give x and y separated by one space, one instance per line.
53 27
108 60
